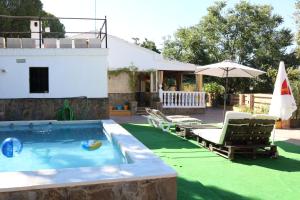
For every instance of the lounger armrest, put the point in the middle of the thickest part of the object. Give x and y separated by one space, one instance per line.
208 126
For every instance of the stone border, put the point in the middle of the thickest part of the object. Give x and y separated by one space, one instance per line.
47 108
143 165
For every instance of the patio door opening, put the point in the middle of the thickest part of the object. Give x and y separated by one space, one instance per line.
143 94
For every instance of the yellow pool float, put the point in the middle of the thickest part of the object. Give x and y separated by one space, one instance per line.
91 145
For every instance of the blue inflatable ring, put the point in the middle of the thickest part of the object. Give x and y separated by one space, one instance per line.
11 147
91 145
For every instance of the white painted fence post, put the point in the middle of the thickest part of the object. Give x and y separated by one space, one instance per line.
180 99
160 92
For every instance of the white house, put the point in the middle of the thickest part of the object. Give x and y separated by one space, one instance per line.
34 82
37 75
153 72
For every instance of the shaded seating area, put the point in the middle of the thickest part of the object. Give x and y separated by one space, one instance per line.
242 133
159 120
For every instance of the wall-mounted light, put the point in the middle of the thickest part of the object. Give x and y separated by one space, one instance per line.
20 60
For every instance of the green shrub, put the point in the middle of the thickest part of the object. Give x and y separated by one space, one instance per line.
262 110
296 92
215 92
188 87
213 88
243 108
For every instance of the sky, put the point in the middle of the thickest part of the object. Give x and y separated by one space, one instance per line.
151 19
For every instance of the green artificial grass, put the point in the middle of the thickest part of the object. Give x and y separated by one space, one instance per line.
205 175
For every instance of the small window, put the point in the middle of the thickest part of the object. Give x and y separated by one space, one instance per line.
35 24
38 79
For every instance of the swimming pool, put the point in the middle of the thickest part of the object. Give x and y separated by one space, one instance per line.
53 164
57 146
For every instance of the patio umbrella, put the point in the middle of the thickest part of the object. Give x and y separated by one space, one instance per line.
283 103
228 69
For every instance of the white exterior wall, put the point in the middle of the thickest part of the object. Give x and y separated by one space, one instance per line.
72 72
124 54
119 84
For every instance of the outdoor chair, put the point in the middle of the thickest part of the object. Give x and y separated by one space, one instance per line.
241 133
94 43
80 43
159 120
2 42
13 43
65 43
49 43
28 43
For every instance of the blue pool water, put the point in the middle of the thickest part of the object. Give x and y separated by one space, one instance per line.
56 146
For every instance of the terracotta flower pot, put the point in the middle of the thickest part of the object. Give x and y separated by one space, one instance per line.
126 107
278 124
286 124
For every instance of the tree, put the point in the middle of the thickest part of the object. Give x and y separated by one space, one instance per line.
136 40
297 17
26 8
248 34
149 45
55 26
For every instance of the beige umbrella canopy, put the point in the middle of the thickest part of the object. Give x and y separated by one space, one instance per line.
228 69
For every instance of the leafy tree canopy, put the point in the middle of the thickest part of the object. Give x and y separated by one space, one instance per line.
297 15
27 8
247 33
148 44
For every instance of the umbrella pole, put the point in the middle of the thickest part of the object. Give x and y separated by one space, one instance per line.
225 93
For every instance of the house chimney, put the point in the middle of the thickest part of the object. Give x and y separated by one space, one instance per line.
35 29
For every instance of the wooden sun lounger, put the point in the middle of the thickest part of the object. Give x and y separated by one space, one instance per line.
185 129
159 120
242 133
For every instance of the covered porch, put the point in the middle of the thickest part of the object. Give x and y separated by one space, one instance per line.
171 89
173 86
152 80
177 95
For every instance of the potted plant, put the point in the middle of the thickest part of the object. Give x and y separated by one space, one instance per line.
171 84
126 105
278 124
295 119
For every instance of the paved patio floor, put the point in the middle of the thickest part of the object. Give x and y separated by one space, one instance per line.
215 116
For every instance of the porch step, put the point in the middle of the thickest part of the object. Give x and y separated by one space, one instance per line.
141 111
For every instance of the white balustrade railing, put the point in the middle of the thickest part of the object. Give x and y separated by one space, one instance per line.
181 99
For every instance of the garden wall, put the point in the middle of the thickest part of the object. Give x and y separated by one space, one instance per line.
47 108
161 188
253 101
